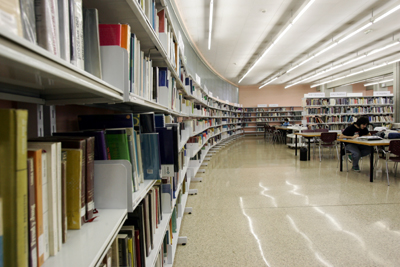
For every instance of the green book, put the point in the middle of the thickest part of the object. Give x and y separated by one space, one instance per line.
117 144
174 220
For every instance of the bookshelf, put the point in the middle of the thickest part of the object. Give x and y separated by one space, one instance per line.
35 76
254 118
336 113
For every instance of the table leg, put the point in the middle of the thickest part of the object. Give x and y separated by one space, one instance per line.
295 145
342 153
309 147
371 167
285 136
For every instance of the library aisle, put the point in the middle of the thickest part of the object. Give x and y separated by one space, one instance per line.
258 205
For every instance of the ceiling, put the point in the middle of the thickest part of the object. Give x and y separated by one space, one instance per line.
243 30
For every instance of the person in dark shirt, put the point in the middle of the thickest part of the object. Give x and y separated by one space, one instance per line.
357 129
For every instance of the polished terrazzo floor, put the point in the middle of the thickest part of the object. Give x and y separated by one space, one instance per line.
258 205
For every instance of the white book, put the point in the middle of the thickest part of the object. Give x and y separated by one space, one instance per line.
52 191
45 206
47 25
76 24
63 29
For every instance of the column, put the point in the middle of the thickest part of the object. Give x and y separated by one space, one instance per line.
396 92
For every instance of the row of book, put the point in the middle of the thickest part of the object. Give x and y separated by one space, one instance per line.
265 110
344 110
349 101
347 119
277 114
280 119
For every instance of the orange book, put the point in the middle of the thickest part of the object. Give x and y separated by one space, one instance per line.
36 154
125 36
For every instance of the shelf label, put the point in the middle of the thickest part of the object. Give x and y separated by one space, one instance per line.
354 94
274 105
382 93
338 94
262 105
311 95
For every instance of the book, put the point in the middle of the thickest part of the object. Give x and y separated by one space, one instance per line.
155 84
136 218
163 86
47 25
74 191
76 30
117 143
33 252
159 120
28 20
123 249
1 234
10 20
110 34
74 142
100 147
91 41
175 145
63 29
147 122
51 183
64 218
147 230
36 155
166 143
150 156
115 253
107 260
130 231
14 186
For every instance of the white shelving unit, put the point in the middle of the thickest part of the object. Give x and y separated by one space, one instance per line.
44 79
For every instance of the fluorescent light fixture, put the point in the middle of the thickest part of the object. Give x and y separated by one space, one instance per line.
283 33
353 60
279 36
382 48
210 23
302 11
258 60
318 84
384 81
292 69
387 13
268 82
394 61
379 66
355 32
305 61
355 73
326 49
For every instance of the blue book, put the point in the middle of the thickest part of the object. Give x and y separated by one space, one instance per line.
163 77
166 136
150 156
160 120
166 189
175 145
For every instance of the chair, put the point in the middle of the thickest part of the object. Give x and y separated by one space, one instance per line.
394 149
328 140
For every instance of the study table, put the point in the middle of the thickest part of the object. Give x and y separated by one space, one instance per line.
371 144
284 129
308 136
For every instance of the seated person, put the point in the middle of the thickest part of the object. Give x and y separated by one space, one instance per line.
286 122
358 128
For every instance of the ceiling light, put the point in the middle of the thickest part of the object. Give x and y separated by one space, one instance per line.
279 36
394 61
326 49
289 70
383 48
379 66
368 84
302 11
387 13
355 32
267 82
354 59
210 23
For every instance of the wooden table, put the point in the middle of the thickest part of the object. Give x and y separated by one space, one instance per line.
372 144
307 135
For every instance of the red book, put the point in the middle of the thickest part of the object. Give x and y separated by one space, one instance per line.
110 34
137 247
162 21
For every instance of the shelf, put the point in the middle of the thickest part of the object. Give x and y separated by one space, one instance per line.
350 105
87 246
30 71
349 114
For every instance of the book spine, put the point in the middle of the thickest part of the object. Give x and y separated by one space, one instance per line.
89 194
33 253
63 28
39 209
64 221
47 25
77 49
46 252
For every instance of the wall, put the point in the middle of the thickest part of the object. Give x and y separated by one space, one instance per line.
251 96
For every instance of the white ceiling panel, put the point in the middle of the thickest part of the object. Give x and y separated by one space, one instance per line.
243 29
